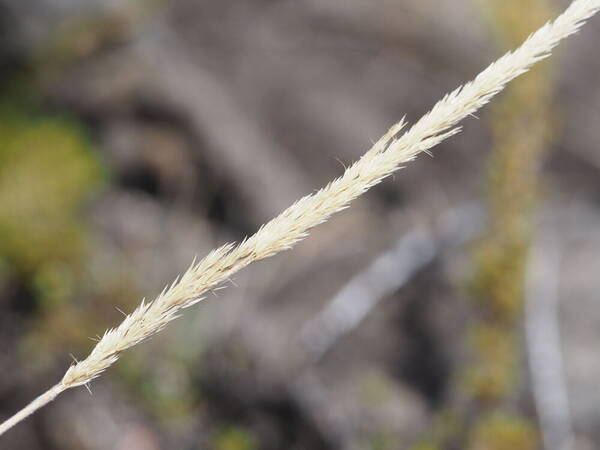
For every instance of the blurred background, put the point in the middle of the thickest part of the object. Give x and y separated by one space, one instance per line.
452 307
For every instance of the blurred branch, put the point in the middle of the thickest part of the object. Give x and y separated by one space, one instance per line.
347 310
543 343
391 270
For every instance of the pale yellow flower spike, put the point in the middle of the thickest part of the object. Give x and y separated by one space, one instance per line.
387 155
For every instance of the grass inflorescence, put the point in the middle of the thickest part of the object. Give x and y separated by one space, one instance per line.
400 145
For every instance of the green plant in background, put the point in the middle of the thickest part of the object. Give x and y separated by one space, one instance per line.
234 438
163 397
503 432
488 384
47 172
521 125
48 166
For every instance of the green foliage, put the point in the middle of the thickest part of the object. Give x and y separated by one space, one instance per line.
504 432
162 396
47 171
382 441
488 381
234 438
445 429
491 376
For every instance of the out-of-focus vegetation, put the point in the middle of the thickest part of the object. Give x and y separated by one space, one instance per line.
488 383
234 439
522 124
48 171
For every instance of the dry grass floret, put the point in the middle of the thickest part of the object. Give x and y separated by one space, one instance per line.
387 156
